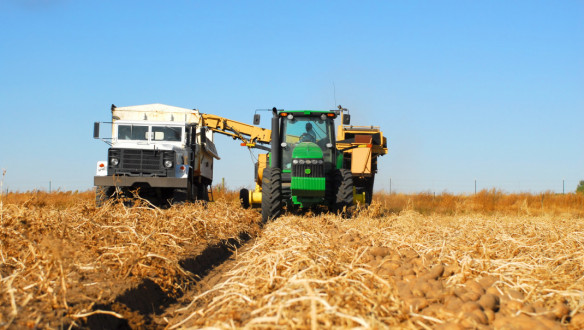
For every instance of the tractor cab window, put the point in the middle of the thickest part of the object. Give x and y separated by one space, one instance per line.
132 132
306 129
166 133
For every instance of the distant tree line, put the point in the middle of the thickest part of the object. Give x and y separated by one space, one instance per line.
580 188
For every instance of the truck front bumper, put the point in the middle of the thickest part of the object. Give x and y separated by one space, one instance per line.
128 181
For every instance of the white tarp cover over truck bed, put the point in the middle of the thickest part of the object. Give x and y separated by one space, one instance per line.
156 112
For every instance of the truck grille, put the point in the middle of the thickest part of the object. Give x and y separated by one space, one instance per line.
140 162
316 170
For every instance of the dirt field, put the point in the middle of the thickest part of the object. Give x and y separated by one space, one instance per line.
411 261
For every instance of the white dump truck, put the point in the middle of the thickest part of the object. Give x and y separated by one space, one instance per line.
160 151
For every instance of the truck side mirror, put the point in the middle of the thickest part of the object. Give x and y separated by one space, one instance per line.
256 119
96 130
346 119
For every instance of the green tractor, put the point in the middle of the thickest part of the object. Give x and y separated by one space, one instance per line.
303 168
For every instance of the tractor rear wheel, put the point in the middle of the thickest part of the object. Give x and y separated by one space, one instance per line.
271 194
344 185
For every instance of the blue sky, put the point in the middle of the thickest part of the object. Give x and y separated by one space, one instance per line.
491 91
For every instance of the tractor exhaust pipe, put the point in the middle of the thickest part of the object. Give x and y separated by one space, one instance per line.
276 155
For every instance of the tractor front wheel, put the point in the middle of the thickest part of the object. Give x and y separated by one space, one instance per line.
271 194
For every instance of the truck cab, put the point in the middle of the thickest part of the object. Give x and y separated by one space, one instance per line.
158 149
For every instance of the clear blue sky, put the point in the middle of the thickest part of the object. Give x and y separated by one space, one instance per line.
463 90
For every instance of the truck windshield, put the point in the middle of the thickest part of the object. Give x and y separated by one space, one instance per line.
132 132
156 133
166 133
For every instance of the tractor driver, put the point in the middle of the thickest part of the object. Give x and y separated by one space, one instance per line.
310 135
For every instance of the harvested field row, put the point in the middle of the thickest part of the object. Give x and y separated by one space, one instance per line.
62 261
406 270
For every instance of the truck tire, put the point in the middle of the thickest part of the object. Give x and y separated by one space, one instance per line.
197 191
344 184
203 193
271 194
191 189
102 195
244 198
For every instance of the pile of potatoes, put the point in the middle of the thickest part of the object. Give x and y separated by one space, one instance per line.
429 297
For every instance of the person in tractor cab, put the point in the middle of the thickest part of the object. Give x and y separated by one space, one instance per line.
310 135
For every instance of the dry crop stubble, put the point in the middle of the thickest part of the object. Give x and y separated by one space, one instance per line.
413 261
408 269
60 257
489 202
295 275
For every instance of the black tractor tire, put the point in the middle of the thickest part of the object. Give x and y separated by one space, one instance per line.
271 194
369 191
344 185
103 194
244 198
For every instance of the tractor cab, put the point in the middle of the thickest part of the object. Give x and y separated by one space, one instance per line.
304 152
307 138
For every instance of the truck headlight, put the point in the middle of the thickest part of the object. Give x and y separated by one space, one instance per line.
295 161
114 161
301 162
168 163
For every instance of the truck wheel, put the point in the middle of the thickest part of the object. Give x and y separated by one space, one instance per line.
271 194
203 192
344 184
102 194
167 197
244 198
197 191
191 189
